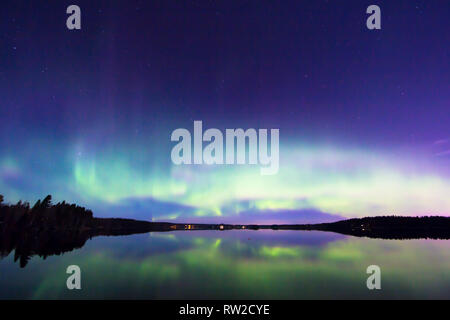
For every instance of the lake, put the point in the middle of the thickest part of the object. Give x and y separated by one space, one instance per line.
236 264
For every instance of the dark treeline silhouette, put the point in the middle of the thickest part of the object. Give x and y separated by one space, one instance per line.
46 229
45 215
384 227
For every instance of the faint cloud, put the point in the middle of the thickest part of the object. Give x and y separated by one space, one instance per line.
443 144
440 141
443 153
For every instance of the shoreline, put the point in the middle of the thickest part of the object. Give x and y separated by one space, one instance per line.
384 227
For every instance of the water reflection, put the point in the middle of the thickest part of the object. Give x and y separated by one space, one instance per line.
236 264
30 242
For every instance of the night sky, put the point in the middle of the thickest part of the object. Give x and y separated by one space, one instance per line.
86 115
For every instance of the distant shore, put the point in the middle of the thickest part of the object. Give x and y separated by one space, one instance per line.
386 227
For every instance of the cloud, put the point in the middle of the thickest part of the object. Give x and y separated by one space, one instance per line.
142 208
441 141
443 153
302 216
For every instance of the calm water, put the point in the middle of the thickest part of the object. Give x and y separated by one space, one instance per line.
235 264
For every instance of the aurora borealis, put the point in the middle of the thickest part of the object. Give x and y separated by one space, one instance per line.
363 115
